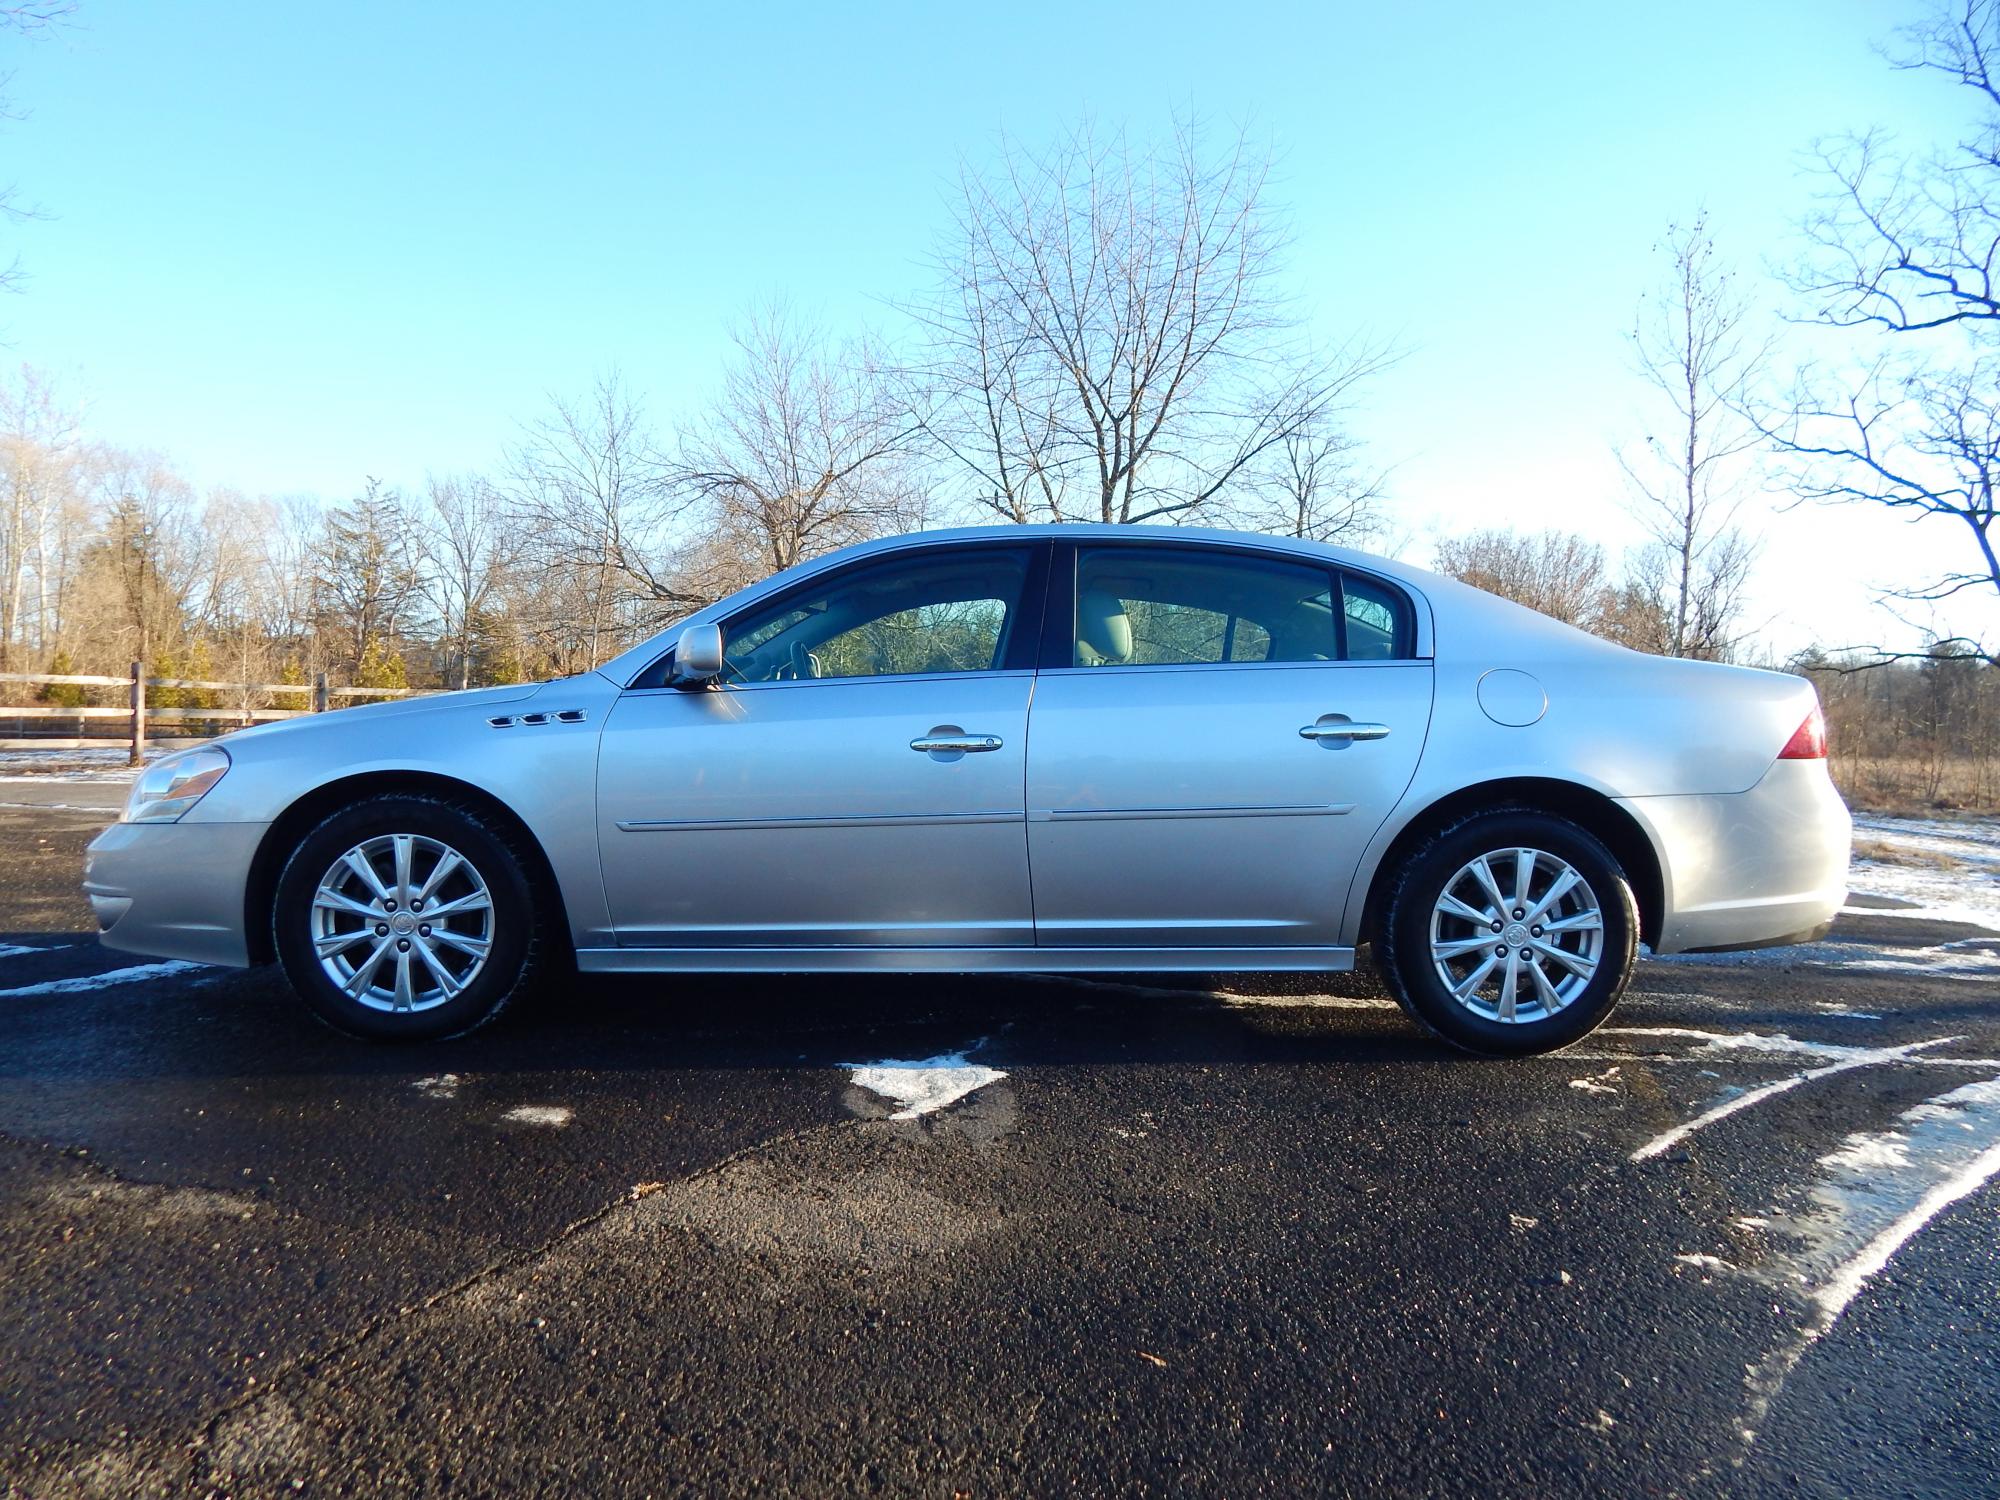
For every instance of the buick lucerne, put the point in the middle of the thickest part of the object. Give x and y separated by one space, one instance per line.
1025 749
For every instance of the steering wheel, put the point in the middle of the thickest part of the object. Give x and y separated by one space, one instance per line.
804 663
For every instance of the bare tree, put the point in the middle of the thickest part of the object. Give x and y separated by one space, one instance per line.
283 598
1556 572
1692 346
23 19
1109 340
805 447
1917 440
469 547
1313 485
40 453
1905 243
596 499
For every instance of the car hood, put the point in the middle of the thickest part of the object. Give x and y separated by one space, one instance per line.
398 708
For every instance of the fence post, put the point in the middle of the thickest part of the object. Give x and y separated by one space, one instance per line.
319 693
138 713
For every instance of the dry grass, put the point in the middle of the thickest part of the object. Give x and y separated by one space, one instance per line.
1902 854
1911 787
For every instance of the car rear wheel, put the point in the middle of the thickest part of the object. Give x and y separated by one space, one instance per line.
1509 933
406 918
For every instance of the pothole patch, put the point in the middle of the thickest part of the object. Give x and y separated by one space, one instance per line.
875 1219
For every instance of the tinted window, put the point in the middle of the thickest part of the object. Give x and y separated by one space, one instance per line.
943 612
1378 620
1148 606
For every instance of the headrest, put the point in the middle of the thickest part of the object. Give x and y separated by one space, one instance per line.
1103 629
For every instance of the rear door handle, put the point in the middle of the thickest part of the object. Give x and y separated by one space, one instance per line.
946 740
1329 727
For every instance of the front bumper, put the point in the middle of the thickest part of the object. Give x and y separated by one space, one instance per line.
173 890
1750 869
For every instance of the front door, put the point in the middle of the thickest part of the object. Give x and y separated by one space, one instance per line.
1230 731
854 781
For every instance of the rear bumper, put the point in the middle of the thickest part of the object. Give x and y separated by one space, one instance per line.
173 890
1753 869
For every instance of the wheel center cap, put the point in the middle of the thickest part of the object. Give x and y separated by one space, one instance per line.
1516 936
403 922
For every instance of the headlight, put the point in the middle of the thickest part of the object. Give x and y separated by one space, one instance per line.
169 787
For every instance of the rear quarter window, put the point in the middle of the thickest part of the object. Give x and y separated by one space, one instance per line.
1377 622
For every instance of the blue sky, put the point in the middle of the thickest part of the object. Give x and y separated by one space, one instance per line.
293 245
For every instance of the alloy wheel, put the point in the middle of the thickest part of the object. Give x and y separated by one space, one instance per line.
1516 935
402 922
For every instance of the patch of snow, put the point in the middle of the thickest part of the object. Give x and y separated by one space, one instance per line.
1876 1194
1600 1084
1308 1002
96 763
1775 1043
1882 1188
1965 959
1968 891
15 950
1705 1262
99 981
443 1086
539 1114
926 1084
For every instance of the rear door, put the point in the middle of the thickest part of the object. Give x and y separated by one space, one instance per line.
1216 735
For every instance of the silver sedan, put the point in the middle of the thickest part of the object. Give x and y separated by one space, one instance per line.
1026 749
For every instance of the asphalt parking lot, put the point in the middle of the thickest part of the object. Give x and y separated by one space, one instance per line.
668 1237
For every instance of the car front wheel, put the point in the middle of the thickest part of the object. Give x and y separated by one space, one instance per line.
406 918
1510 933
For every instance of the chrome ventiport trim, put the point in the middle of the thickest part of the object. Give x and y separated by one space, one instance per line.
561 716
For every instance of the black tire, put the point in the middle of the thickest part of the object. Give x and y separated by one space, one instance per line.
517 937
1403 937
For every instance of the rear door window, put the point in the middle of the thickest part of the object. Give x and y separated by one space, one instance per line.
1178 606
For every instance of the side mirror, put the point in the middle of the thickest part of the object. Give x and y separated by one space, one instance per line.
698 656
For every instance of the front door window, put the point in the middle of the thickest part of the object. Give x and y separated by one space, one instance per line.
953 612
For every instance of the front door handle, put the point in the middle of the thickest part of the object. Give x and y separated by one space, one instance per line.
1330 727
949 739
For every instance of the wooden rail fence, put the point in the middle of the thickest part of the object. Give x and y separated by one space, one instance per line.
137 714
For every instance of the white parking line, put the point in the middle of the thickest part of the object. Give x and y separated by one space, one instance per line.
1860 1058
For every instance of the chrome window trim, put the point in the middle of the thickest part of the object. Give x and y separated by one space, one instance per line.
629 666
1232 666
831 682
1068 563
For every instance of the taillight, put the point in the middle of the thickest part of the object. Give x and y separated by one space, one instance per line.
1810 741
